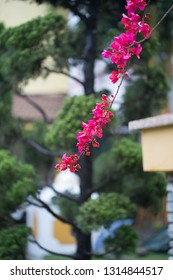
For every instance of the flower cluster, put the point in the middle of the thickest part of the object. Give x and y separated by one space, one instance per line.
101 116
87 137
126 45
70 162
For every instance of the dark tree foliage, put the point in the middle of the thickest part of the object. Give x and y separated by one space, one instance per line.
104 210
123 241
17 181
13 243
25 47
146 95
165 29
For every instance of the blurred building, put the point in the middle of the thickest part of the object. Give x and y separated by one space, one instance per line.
48 93
157 155
50 232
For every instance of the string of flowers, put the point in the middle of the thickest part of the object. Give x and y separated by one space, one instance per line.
87 137
126 45
120 52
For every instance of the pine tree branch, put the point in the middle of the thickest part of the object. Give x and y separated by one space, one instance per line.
50 251
74 8
64 195
34 204
31 142
41 149
64 73
66 255
72 77
48 208
51 172
34 104
68 5
100 186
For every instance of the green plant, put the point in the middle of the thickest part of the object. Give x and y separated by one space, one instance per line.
122 241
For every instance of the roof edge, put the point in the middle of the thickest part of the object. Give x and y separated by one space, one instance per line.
151 122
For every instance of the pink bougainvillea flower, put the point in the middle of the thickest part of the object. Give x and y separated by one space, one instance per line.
87 137
114 77
131 23
133 5
137 50
126 44
145 29
95 143
70 162
141 4
106 53
94 127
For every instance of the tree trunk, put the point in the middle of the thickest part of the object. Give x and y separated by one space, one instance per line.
85 174
89 61
84 248
89 54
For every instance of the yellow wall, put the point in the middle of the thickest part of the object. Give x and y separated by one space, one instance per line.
13 13
53 84
157 149
63 233
34 226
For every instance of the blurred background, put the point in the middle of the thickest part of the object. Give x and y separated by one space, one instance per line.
51 76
